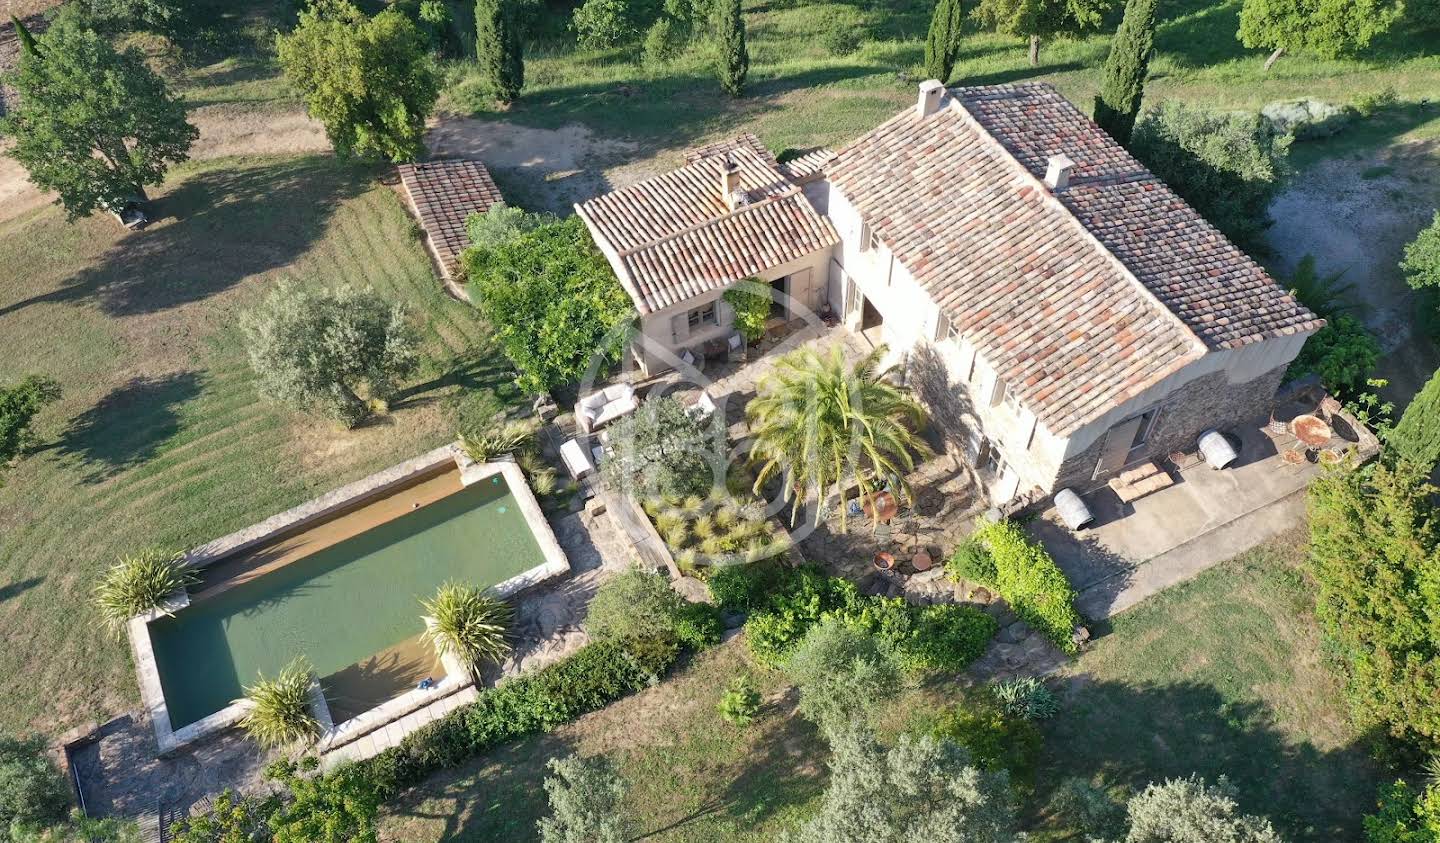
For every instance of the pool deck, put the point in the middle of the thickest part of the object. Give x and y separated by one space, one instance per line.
320 523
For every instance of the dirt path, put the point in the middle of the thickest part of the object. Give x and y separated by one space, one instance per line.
1357 214
546 169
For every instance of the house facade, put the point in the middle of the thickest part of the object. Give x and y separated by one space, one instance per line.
1062 312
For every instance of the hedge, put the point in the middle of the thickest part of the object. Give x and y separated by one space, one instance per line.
593 677
784 603
1030 581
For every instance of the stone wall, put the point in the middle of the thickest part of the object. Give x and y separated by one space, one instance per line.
1209 401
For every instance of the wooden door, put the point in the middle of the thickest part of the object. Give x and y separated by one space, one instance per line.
1116 449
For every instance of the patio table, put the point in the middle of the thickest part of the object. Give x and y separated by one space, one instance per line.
1311 430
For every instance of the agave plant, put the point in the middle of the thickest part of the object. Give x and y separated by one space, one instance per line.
818 422
516 437
280 707
467 623
140 583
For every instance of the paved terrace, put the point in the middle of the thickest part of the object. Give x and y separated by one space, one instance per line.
1138 549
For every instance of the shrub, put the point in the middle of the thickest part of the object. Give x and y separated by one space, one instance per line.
972 562
843 674
1025 697
140 583
1342 354
1368 105
602 24
594 676
1032 583
18 406
503 224
745 588
1421 263
1089 809
663 449
322 350
924 789
586 795
338 806
843 37
1192 811
664 41
741 701
995 740
802 600
1324 294
698 625
1326 29
1417 436
465 622
633 604
1225 165
751 299
1405 815
280 707
554 304
32 792
925 638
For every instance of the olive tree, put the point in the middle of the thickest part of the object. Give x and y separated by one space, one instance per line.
1192 811
18 406
93 124
663 449
585 802
330 350
1037 19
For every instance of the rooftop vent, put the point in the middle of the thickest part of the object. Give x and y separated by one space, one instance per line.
931 92
1057 173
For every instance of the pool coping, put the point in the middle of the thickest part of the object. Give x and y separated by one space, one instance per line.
456 678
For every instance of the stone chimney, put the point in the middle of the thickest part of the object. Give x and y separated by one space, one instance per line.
730 183
1057 173
931 92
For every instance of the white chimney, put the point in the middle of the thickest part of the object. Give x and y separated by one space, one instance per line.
1057 174
730 183
931 92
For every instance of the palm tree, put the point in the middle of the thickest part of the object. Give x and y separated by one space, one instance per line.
819 422
465 622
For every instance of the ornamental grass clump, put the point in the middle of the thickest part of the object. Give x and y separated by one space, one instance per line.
280 707
139 584
467 623
516 437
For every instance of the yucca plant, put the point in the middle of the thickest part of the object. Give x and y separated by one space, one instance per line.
516 437
280 707
139 584
466 622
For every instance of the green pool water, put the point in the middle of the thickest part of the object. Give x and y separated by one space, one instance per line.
341 605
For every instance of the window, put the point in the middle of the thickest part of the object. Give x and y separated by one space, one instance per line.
1000 393
994 464
1146 428
943 331
869 240
701 316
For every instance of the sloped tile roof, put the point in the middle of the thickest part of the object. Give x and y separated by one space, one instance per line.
1081 299
444 194
675 236
744 140
808 166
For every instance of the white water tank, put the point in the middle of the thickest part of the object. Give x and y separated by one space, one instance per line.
1072 510
1216 449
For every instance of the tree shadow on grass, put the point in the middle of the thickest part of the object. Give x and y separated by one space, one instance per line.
1126 734
128 426
15 589
212 231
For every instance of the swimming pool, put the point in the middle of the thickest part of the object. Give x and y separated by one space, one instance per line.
344 592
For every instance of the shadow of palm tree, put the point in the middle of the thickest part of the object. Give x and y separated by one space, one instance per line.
211 231
129 425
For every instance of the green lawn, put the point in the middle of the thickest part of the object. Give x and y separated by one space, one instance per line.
1221 675
161 437
800 95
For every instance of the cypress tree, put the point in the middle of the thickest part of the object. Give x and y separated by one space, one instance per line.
27 41
734 64
1118 103
498 48
942 43
1417 436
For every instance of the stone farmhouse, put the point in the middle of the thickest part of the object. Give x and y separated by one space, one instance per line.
1063 313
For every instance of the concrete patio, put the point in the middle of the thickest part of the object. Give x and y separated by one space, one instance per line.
1134 550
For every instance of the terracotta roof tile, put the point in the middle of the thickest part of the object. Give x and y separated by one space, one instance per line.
1081 299
444 194
676 237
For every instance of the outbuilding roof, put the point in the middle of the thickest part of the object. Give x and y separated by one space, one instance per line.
680 234
1081 297
443 195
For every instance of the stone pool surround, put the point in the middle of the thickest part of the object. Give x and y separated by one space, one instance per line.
456 679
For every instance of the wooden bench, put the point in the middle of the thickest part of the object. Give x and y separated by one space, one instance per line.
1140 481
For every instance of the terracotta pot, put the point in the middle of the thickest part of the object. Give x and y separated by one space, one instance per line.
884 561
